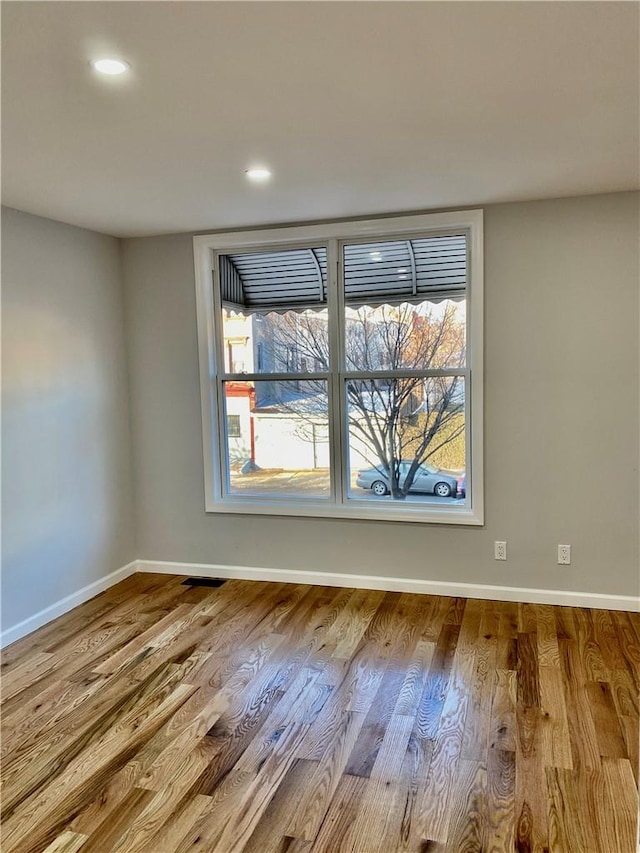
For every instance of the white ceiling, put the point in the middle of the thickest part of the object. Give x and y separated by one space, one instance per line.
358 108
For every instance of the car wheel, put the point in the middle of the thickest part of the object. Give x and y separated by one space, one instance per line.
442 490
379 488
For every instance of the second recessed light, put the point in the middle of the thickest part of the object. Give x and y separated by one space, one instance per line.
111 67
258 174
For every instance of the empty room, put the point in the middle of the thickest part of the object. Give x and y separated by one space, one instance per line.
320 427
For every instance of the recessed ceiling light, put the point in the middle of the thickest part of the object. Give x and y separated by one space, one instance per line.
110 66
258 173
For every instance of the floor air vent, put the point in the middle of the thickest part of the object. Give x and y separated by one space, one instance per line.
204 581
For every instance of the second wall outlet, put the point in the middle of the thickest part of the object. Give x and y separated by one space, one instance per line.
500 550
564 555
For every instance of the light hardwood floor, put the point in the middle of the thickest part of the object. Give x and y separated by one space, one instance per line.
264 718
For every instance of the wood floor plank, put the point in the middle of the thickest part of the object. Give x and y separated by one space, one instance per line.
168 763
556 743
503 728
21 730
383 706
437 683
139 832
309 814
475 742
570 819
608 639
606 721
499 825
284 718
354 620
469 812
415 676
547 637
106 836
531 812
630 733
588 647
629 640
435 813
621 805
527 680
376 815
271 831
107 802
23 674
178 825
403 829
585 749
68 842
626 695
340 815
493 619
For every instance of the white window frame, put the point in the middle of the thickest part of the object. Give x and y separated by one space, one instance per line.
334 235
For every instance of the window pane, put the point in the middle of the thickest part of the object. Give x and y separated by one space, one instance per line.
274 314
407 440
406 336
293 342
405 303
282 449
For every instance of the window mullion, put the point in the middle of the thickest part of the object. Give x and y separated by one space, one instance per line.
341 370
221 413
335 400
274 377
217 366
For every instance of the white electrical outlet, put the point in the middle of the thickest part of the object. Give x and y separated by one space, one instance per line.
500 550
564 555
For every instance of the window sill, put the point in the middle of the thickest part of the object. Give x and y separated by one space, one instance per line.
463 515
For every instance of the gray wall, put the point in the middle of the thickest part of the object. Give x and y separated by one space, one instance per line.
561 422
66 469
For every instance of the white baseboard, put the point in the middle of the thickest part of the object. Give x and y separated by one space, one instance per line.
338 579
16 632
463 590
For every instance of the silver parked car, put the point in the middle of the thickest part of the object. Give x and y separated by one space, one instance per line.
427 479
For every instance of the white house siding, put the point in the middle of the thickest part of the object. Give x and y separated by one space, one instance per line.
240 448
290 443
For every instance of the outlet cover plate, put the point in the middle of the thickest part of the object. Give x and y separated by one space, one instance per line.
500 550
564 555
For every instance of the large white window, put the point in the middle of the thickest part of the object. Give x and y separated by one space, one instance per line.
341 369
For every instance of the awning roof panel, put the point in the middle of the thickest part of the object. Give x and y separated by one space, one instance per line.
426 268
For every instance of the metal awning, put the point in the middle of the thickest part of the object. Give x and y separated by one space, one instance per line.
427 268
432 268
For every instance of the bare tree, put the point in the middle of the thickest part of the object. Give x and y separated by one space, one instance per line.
403 418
